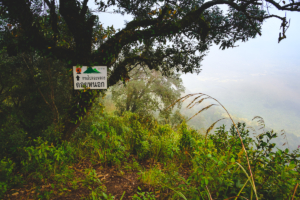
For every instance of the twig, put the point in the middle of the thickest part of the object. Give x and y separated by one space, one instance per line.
295 190
208 193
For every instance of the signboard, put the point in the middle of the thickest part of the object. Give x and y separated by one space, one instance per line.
90 77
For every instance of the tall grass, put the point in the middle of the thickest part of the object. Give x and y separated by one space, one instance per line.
194 102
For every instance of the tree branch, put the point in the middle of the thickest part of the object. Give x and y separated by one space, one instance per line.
285 7
53 18
84 8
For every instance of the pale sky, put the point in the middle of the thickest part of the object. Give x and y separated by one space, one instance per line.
260 77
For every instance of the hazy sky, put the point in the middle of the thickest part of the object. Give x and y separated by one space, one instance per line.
260 77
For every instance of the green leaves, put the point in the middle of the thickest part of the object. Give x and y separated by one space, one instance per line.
144 92
8 176
206 181
215 167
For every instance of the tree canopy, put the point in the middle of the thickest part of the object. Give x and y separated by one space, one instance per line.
147 91
164 35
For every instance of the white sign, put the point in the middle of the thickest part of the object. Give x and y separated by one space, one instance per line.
90 77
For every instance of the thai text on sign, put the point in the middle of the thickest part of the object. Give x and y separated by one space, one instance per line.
90 77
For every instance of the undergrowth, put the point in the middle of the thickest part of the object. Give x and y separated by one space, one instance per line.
169 163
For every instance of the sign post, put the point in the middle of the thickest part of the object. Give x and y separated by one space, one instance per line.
90 77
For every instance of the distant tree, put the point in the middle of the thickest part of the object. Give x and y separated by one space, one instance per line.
70 32
147 91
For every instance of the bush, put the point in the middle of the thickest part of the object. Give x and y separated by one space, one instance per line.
187 138
11 139
44 158
8 176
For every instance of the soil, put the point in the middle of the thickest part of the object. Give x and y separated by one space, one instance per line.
115 185
110 177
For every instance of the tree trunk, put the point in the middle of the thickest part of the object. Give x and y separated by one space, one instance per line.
81 102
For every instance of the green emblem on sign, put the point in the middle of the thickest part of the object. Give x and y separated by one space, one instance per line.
91 71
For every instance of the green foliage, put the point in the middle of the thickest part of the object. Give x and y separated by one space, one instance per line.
213 169
91 178
176 119
215 166
102 137
33 98
224 140
164 145
187 140
181 163
147 91
139 144
44 159
98 194
70 32
109 145
8 178
38 163
143 195
12 138
39 108
276 171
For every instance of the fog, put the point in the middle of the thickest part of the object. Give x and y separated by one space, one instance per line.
260 77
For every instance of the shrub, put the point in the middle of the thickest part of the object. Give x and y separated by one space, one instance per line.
8 176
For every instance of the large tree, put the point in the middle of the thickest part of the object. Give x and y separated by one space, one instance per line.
147 91
191 26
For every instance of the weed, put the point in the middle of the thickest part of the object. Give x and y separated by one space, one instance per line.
143 195
91 178
99 194
152 177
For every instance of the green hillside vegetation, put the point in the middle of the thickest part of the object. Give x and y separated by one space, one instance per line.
134 157
61 143
130 154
